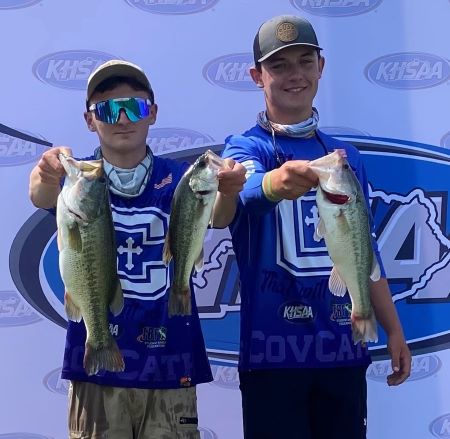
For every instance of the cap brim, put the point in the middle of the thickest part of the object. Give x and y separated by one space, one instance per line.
267 55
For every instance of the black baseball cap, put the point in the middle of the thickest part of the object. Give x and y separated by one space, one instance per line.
281 32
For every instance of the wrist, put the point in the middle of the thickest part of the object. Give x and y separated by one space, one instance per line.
268 191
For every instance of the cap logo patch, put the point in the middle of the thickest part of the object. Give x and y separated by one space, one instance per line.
286 32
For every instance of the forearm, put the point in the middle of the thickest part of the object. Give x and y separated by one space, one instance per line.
224 210
384 307
42 195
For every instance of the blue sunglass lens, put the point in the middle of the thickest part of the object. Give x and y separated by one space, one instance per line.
135 109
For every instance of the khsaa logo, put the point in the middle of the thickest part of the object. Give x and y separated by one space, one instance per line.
296 312
231 71
172 7
14 311
421 367
69 69
164 140
336 8
408 70
53 382
440 427
206 433
225 376
17 4
15 150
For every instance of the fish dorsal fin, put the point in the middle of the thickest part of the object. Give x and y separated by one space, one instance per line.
336 284
376 270
74 237
320 231
199 261
116 304
167 254
72 310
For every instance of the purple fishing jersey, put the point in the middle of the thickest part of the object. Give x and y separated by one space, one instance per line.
159 352
289 317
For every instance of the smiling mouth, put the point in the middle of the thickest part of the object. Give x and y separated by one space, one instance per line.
294 89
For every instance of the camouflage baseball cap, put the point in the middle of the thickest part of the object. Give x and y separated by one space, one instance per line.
281 32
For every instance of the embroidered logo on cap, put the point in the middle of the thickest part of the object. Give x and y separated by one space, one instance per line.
286 32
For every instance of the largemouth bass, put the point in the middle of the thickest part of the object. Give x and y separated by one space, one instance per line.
87 260
344 224
190 215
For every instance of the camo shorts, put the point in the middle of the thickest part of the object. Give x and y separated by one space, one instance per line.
100 412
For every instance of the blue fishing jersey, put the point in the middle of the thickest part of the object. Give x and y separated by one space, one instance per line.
159 352
289 317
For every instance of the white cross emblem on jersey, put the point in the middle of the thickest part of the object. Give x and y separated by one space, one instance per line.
129 250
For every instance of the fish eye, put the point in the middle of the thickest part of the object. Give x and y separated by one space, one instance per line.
201 164
346 166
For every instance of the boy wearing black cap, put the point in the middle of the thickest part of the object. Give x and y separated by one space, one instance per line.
301 376
165 358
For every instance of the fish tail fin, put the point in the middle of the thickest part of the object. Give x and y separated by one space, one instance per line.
180 302
103 358
364 329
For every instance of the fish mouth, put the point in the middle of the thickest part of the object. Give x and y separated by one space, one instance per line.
336 198
203 193
79 217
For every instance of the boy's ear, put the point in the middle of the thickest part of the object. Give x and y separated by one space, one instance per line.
89 118
257 77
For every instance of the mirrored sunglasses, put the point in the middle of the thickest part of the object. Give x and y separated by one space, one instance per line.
109 111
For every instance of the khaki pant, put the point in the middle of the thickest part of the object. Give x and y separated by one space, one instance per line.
100 412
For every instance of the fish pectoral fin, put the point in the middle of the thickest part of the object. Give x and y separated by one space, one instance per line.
320 231
74 237
72 310
167 254
376 270
198 264
116 304
336 284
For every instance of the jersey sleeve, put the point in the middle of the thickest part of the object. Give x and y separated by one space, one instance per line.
252 157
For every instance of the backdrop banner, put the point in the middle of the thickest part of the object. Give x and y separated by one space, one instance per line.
385 88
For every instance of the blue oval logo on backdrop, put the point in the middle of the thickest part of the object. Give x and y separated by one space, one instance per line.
231 71
17 4
165 140
15 311
16 151
226 377
53 382
172 7
408 70
422 367
206 433
336 8
69 69
440 427
410 214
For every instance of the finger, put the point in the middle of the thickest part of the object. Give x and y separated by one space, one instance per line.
397 378
228 163
395 361
65 150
